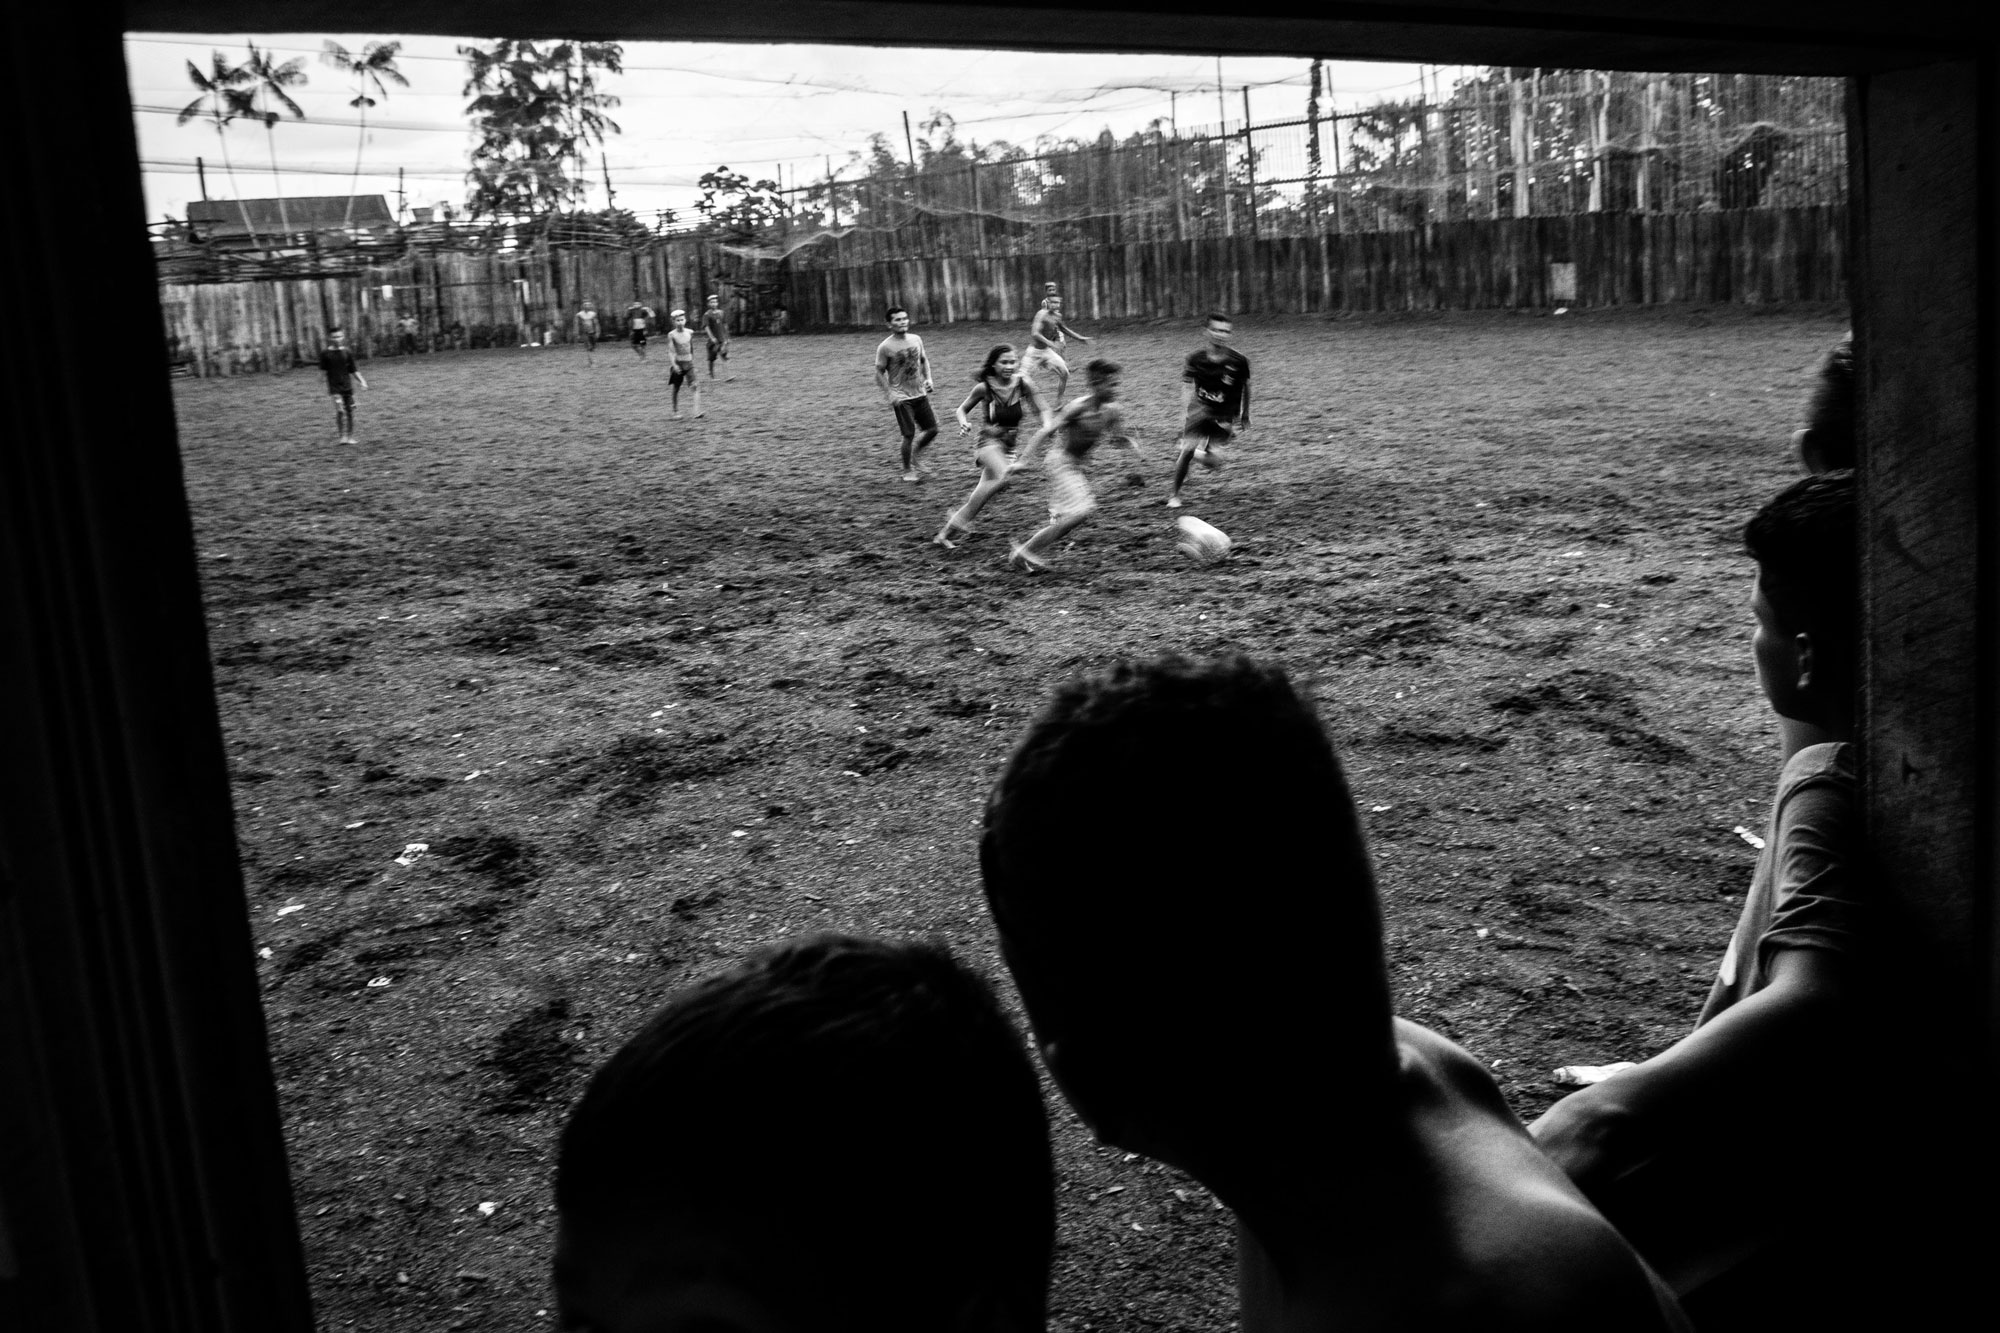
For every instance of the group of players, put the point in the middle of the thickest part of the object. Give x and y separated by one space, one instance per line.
1215 405
640 321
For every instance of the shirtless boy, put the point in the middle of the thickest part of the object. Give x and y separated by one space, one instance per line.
1379 1180
680 351
1046 336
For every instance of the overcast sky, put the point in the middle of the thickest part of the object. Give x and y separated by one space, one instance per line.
689 107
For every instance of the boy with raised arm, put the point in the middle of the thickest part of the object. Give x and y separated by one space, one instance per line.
1215 401
837 1135
1046 335
1741 1159
337 364
1211 991
903 374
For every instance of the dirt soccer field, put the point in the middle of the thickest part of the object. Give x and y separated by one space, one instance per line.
540 704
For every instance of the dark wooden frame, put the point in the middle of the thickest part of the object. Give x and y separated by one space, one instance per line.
142 1172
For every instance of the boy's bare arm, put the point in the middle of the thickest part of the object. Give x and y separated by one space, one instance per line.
1772 1051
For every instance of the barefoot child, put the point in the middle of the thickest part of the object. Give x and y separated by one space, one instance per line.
1091 420
903 374
680 353
1046 337
586 331
715 329
1002 398
341 376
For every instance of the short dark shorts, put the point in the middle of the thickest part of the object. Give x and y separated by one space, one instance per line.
914 415
346 397
718 349
1202 426
638 337
590 337
682 373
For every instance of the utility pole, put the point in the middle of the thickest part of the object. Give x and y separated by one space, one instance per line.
400 198
909 146
201 170
610 195
1222 134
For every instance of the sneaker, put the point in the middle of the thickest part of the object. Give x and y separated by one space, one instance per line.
912 475
1173 502
699 415
677 416
1021 558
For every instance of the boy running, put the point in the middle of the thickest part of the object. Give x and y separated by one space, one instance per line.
1045 342
586 330
639 320
680 348
1091 420
341 377
715 328
1215 400
903 373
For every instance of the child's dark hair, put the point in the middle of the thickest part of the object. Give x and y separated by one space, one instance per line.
1172 843
992 359
1828 441
1805 543
1217 317
1099 369
894 311
808 1100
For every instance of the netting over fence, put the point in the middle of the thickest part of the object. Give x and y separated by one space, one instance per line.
1515 143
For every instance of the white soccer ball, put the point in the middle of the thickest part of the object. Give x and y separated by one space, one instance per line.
1203 543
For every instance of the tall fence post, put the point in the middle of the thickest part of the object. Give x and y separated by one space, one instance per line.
1250 161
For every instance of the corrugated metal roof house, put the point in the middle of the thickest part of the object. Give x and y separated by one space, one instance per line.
224 220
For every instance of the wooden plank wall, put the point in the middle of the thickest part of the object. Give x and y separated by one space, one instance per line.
1748 255
239 327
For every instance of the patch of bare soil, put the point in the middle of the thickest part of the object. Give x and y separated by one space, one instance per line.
541 704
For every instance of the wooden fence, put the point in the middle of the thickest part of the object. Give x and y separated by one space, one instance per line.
458 300
1748 256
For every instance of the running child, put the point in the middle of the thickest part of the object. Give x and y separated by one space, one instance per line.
903 373
1093 419
680 350
587 331
1046 337
1215 401
715 328
1003 397
639 322
341 377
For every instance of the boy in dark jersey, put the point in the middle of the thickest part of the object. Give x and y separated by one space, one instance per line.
680 352
763 1156
586 330
639 323
1091 420
715 328
1378 1178
1215 399
903 374
341 377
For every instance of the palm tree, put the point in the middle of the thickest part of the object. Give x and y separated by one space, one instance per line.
375 64
267 81
223 99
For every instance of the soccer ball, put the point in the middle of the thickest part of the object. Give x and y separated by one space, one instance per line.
1203 543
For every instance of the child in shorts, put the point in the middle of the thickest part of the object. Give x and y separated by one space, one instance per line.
1207 984
680 360
837 1134
1090 420
639 325
337 364
715 330
1215 401
903 374
587 331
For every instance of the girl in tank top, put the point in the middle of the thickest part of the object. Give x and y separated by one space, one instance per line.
1004 399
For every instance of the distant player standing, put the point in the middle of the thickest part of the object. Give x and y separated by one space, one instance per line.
680 348
715 328
1215 399
1046 339
587 331
903 373
341 377
639 321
